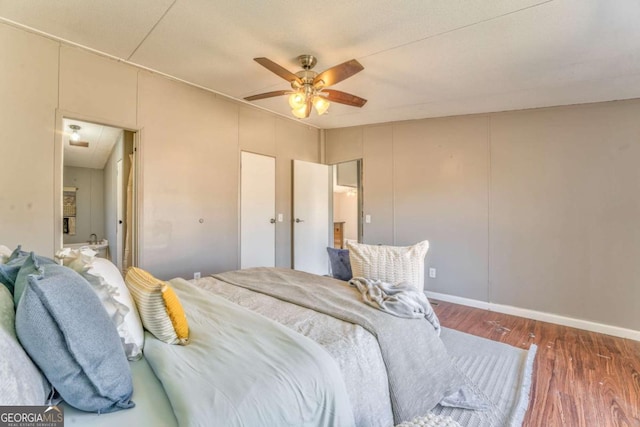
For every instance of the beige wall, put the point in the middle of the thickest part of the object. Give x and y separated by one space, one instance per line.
29 97
190 144
538 209
345 209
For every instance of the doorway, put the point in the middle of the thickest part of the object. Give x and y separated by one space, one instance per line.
347 203
98 186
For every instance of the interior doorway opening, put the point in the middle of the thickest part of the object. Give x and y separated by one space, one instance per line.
98 190
347 203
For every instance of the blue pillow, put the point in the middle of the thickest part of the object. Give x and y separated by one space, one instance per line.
66 331
10 270
340 264
30 264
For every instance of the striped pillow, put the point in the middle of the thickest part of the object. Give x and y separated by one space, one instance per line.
159 307
391 264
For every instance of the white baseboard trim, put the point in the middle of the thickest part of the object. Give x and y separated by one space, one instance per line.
587 325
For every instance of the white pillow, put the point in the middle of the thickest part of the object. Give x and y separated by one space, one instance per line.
391 264
5 253
130 330
108 284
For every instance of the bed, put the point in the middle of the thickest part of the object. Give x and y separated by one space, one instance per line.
251 328
267 347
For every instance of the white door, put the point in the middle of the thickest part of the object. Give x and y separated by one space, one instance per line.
311 191
257 211
120 215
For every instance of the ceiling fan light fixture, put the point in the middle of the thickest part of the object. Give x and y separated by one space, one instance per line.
297 100
300 112
309 87
321 104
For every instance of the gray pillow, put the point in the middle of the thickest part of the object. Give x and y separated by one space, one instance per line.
68 334
340 264
22 383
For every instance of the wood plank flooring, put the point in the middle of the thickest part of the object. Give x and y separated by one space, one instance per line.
580 378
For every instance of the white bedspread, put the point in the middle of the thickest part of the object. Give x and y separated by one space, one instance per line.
354 349
242 369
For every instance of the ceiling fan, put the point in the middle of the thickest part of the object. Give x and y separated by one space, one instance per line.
309 88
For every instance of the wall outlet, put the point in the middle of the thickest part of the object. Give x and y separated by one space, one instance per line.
197 275
432 273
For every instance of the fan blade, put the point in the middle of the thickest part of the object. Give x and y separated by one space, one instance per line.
277 69
343 98
338 73
267 95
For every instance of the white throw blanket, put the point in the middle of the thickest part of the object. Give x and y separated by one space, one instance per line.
402 299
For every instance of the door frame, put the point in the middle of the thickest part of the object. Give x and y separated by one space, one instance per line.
360 188
58 170
121 213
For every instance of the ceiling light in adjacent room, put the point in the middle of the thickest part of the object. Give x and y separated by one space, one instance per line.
75 136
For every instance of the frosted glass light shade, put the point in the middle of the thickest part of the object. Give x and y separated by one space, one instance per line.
321 104
301 112
297 100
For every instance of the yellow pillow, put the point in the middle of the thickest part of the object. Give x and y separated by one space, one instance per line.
159 307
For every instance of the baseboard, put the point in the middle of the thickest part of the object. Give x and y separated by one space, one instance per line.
587 325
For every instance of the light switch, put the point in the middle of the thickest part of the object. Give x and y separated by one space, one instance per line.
367 219
280 217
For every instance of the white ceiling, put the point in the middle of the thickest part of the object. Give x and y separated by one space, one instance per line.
422 58
101 140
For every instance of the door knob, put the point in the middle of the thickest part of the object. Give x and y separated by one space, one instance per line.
272 220
299 220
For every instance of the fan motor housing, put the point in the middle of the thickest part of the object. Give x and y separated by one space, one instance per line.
307 61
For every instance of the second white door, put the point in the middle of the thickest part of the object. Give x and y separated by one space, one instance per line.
311 217
257 211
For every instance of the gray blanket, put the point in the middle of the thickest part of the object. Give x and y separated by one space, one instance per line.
419 369
402 299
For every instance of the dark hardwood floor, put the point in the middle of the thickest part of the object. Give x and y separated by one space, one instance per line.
580 378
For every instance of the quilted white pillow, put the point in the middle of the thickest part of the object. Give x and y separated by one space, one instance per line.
391 264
